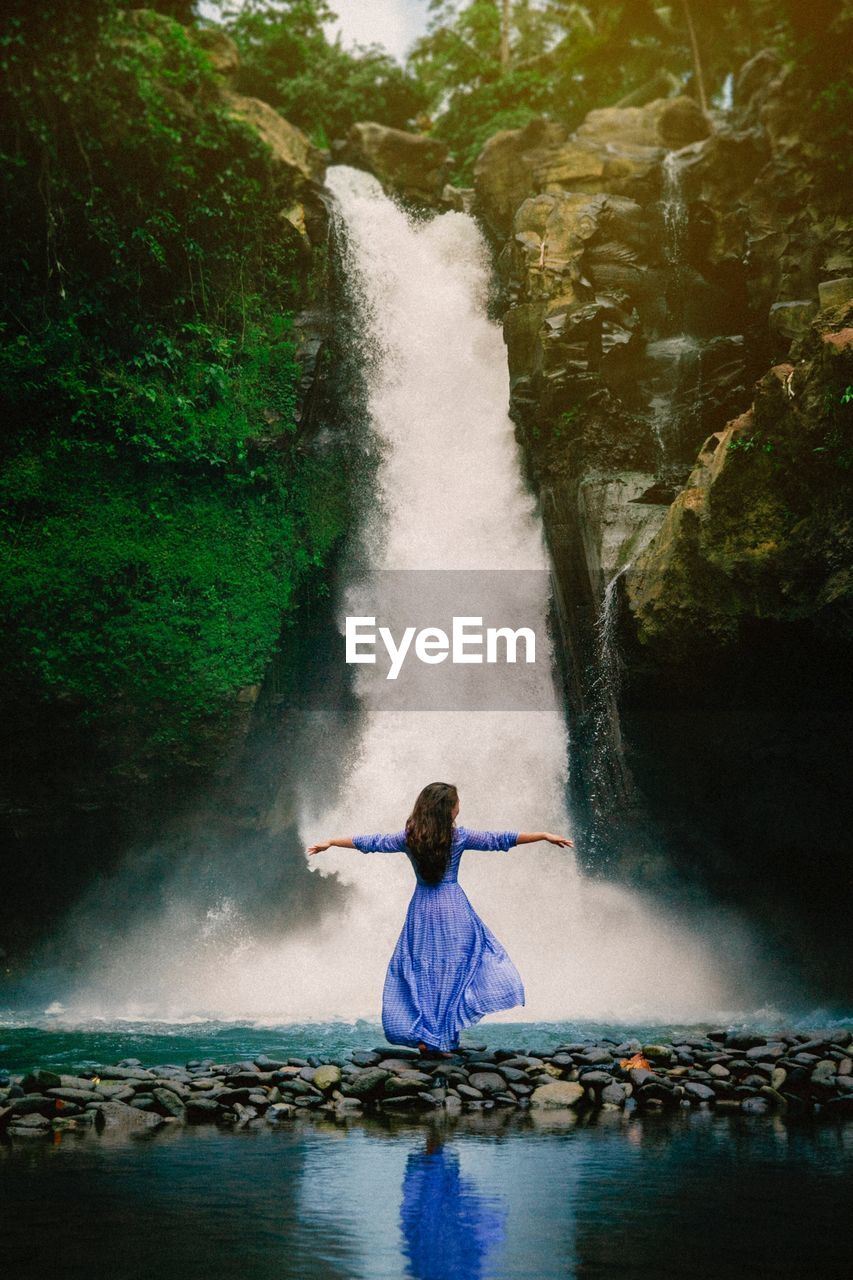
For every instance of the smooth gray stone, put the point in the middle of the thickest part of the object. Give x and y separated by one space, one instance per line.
233 1096
369 1080
698 1091
284 1110
202 1109
123 1073
824 1072
362 1059
519 1089
170 1103
119 1116
487 1081
29 1104
410 1082
76 1095
40 1081
616 1093
595 1077
177 1087
766 1052
744 1040
29 1126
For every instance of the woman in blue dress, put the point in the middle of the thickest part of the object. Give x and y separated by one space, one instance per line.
448 969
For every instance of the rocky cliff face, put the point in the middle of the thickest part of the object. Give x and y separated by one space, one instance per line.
654 264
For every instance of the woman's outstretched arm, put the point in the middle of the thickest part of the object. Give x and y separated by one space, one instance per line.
506 840
341 842
531 837
394 842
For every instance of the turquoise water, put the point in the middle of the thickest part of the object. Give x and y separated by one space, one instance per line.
29 1039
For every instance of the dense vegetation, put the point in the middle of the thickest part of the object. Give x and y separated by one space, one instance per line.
486 65
160 513
288 60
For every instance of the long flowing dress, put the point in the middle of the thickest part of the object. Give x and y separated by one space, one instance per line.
448 969
450 1227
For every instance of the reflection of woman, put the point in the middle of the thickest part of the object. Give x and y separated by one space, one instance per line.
448 968
448 1226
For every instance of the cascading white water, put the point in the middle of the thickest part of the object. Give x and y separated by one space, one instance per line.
450 496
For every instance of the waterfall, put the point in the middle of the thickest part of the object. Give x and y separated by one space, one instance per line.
674 360
608 775
673 209
449 496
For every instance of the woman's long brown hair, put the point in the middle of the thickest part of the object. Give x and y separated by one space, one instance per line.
429 830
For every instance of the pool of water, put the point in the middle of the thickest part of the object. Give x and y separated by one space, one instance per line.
489 1196
486 1197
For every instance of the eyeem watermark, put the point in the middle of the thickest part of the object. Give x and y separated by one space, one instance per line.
468 642
431 640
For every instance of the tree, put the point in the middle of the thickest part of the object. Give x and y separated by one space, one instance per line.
288 60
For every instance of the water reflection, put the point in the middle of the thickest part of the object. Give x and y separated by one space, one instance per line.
479 1197
450 1228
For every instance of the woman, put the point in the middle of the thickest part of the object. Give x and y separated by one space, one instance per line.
448 969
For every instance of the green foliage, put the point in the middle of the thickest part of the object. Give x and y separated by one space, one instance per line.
749 444
471 118
160 513
287 59
566 59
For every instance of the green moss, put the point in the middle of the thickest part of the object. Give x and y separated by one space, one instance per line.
161 515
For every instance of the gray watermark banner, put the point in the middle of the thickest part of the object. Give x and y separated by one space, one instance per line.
435 640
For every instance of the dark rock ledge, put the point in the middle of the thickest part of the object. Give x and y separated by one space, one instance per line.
790 1073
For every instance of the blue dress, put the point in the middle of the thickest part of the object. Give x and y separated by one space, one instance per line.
451 1229
448 969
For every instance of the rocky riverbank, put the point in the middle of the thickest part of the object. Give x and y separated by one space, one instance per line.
790 1073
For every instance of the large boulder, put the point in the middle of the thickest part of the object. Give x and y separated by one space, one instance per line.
300 164
616 150
560 1093
118 1117
407 164
220 49
290 147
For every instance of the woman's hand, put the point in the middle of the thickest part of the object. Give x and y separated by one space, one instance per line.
532 837
340 842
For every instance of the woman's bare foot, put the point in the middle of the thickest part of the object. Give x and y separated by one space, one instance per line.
427 1052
